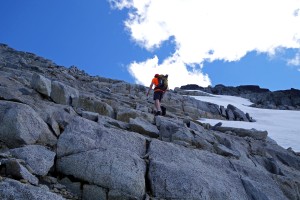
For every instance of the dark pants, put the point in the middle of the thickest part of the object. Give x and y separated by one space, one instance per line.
158 95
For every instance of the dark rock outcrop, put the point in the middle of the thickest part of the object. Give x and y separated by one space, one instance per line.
260 97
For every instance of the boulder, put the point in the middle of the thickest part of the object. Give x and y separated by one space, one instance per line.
16 170
90 115
74 187
83 135
108 168
41 84
230 114
112 123
37 157
223 111
201 175
93 104
238 114
62 93
224 151
124 114
105 157
253 133
12 189
143 127
20 124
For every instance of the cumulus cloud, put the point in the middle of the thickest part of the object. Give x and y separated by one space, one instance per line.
208 31
295 61
176 70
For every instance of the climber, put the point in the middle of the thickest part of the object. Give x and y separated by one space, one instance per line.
161 85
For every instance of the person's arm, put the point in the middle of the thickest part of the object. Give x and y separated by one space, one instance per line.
150 88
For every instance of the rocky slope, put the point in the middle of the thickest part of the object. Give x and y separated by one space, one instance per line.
261 97
67 135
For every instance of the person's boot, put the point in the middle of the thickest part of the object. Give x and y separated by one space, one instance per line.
158 113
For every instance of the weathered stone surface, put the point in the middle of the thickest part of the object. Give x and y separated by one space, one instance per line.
99 157
259 135
114 169
196 127
124 114
63 94
200 175
105 157
93 192
93 104
90 115
15 169
223 111
109 122
224 151
11 189
230 114
57 116
83 135
143 127
20 124
239 115
41 84
37 157
74 187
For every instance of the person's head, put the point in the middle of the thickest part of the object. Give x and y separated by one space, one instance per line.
156 75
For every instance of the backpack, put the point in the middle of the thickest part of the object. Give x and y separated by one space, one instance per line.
163 82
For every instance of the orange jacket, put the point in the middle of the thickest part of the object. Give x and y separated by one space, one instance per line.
155 82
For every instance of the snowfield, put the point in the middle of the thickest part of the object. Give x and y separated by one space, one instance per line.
283 126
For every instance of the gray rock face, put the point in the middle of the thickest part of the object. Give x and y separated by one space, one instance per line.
259 135
124 115
63 94
143 127
83 135
105 157
239 115
11 189
20 124
199 175
15 169
261 97
96 138
37 157
93 104
90 115
41 84
119 170
93 192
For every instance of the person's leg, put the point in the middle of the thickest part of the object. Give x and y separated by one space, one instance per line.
157 105
157 98
162 108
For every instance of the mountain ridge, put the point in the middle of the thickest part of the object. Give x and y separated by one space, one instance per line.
260 97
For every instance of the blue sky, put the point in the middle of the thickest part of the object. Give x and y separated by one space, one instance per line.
194 42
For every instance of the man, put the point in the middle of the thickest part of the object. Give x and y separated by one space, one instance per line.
158 94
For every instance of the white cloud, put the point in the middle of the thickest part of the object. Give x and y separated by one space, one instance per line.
176 69
229 29
295 61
